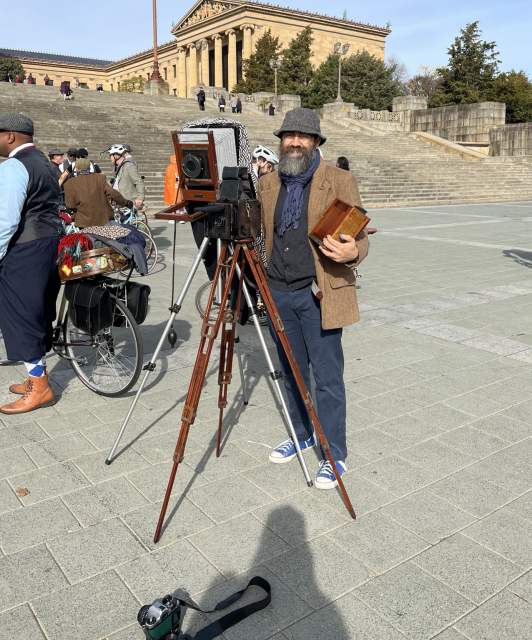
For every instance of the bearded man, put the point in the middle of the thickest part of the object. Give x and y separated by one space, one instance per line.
313 287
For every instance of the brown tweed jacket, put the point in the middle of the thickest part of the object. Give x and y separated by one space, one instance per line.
339 306
89 194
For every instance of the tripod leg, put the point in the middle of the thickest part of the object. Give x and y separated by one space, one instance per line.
253 261
241 368
208 336
150 366
226 356
275 376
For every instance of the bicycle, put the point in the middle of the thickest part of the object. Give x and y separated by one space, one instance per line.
110 361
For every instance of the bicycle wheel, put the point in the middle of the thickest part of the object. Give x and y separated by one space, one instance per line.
202 296
109 363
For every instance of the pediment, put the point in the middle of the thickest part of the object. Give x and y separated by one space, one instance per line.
203 10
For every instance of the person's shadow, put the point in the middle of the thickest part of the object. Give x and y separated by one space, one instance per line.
297 576
524 258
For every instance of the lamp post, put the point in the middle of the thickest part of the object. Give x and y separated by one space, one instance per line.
275 65
340 50
201 45
155 75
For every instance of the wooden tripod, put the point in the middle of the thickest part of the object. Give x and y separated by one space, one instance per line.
243 254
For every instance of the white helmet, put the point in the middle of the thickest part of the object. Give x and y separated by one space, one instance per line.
266 153
117 149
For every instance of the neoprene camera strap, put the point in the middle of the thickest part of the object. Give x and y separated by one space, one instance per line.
229 620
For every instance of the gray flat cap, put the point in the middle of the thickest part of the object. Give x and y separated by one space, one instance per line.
127 147
301 120
17 123
55 152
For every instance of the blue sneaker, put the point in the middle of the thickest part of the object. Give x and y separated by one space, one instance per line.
286 450
325 478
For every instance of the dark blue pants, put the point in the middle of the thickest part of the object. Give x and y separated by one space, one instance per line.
29 284
312 345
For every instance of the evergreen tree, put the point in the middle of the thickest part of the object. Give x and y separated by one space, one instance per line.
258 75
515 89
296 73
366 81
471 70
11 66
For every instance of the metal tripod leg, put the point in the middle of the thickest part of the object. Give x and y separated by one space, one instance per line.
241 368
150 366
275 376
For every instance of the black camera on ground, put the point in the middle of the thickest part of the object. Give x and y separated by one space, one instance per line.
162 619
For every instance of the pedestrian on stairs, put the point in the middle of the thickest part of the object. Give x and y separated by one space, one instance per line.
221 104
30 231
201 99
233 103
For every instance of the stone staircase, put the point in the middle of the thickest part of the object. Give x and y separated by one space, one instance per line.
392 169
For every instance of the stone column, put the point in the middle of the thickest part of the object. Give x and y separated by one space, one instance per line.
218 70
182 72
192 70
246 40
205 64
231 75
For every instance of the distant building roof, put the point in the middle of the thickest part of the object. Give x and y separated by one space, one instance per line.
57 57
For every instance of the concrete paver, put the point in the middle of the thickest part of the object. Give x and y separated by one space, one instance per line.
439 427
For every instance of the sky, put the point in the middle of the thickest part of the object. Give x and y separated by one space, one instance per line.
421 31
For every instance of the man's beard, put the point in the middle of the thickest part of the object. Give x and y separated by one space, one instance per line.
293 161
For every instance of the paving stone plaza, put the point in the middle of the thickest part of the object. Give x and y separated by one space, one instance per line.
439 385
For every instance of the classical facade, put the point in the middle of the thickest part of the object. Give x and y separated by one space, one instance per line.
209 44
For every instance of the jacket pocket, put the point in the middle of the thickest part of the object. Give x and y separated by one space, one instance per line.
338 275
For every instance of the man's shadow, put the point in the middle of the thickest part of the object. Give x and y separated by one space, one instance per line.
524 258
299 606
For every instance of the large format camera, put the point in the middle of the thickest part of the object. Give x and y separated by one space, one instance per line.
235 215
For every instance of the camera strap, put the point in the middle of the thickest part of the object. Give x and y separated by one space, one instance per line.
230 619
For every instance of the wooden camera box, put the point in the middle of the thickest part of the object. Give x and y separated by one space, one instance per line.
339 218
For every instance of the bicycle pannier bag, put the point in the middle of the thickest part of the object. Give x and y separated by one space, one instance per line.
91 306
137 302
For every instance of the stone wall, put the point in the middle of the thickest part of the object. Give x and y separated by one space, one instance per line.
511 140
458 123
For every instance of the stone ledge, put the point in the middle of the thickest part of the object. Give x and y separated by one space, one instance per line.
451 147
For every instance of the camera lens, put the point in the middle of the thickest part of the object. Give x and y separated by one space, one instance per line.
192 166
219 221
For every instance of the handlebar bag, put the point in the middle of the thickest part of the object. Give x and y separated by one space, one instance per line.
90 308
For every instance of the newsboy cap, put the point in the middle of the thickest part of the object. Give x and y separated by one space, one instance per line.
301 120
127 147
82 153
72 151
55 152
17 123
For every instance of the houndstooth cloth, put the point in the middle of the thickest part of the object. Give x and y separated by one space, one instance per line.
244 159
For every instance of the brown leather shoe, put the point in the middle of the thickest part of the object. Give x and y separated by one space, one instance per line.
38 394
20 388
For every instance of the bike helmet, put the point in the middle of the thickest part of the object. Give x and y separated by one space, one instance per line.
117 149
266 153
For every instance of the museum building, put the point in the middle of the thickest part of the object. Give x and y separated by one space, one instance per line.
209 44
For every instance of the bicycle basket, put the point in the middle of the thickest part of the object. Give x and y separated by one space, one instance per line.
90 308
96 261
